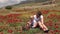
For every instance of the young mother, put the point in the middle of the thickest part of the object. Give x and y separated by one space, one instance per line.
37 19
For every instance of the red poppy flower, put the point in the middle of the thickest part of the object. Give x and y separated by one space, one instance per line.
51 16
50 21
45 12
13 16
16 20
51 31
46 24
10 20
48 16
9 16
10 31
56 30
56 26
1 20
59 30
58 16
2 27
50 24
20 20
1 33
2 17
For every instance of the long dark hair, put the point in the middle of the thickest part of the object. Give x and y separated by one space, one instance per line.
38 14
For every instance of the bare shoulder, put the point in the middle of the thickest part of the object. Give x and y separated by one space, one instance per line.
41 16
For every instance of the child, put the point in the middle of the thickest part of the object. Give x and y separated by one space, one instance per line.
37 19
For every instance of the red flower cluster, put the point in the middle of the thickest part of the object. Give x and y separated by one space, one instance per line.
56 26
51 16
2 27
1 33
10 31
45 12
13 15
2 17
56 30
11 21
58 16
14 20
52 32
1 20
10 18
49 23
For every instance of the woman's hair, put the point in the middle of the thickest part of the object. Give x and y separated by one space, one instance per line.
38 14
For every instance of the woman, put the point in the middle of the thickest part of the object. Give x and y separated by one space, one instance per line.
37 19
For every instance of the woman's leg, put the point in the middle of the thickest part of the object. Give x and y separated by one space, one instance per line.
34 24
42 26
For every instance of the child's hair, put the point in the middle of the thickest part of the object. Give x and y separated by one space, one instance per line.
38 14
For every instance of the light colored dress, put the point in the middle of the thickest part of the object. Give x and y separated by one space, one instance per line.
35 19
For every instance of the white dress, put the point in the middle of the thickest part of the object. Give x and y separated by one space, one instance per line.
35 19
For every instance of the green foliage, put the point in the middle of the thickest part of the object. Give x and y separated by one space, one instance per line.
8 7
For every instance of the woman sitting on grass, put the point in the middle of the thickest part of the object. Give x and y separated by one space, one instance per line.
37 20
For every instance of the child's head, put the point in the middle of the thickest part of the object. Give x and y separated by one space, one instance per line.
38 14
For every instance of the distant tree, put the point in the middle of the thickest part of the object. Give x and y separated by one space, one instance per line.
8 7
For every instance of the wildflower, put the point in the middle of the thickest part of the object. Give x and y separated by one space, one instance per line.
10 31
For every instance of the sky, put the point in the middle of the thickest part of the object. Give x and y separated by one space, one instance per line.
9 2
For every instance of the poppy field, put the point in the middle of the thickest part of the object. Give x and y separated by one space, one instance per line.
12 23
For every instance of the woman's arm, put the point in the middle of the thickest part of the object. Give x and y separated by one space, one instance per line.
42 19
30 20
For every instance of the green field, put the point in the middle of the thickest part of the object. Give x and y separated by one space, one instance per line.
11 21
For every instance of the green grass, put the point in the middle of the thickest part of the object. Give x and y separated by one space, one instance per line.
25 17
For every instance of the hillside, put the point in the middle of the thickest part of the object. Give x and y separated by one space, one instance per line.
12 20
